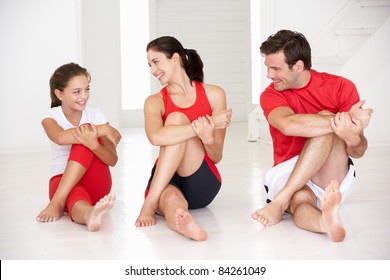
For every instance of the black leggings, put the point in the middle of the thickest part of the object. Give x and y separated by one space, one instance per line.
199 189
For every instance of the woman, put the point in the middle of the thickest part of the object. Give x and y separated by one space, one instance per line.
187 120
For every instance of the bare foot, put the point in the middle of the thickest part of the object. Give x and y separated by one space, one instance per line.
330 212
269 215
147 217
50 214
186 225
93 218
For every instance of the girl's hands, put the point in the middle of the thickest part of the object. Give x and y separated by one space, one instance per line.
87 135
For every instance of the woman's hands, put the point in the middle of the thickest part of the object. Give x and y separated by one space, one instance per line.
204 126
222 119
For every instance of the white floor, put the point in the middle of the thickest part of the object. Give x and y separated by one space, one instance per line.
233 235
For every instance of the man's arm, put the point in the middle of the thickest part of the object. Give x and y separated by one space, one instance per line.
303 125
351 131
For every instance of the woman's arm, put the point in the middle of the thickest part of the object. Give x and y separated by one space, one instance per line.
157 133
212 130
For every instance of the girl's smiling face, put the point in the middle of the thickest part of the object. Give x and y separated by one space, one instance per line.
76 94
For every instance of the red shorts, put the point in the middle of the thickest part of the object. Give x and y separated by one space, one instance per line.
95 184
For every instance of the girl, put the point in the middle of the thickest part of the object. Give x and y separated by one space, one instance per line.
188 120
83 148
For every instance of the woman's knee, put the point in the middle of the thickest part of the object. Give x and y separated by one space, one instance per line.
171 195
177 118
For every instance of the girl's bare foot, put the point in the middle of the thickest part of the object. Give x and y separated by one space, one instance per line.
186 225
330 212
93 218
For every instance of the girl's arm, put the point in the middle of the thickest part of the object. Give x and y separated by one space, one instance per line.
87 135
103 148
65 137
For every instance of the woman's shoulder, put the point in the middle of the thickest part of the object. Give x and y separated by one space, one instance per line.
154 97
213 89
154 101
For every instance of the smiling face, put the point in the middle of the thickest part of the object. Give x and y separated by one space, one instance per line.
278 71
75 95
160 66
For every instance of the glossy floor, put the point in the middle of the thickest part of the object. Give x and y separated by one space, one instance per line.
233 235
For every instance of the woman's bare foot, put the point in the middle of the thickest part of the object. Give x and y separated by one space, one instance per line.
147 216
93 218
186 225
330 212
269 215
51 213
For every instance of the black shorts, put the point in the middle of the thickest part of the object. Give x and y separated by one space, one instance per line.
199 189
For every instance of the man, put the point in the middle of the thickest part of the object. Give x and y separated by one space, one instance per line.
316 124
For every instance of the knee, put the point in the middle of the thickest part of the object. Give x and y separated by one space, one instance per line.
325 112
177 118
303 196
171 195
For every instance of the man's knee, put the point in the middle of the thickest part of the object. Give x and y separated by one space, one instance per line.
303 196
325 113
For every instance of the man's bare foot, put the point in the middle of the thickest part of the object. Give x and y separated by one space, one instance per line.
330 212
93 218
269 215
186 225
147 217
50 214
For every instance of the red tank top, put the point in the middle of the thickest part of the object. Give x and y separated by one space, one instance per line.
200 108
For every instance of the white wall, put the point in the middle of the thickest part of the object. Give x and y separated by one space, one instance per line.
38 36
220 31
305 16
369 68
100 45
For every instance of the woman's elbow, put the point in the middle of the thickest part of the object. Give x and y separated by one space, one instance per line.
154 140
217 159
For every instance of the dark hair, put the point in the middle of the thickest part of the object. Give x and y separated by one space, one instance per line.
293 44
60 78
190 59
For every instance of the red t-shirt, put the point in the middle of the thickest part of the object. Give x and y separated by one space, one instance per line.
323 92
